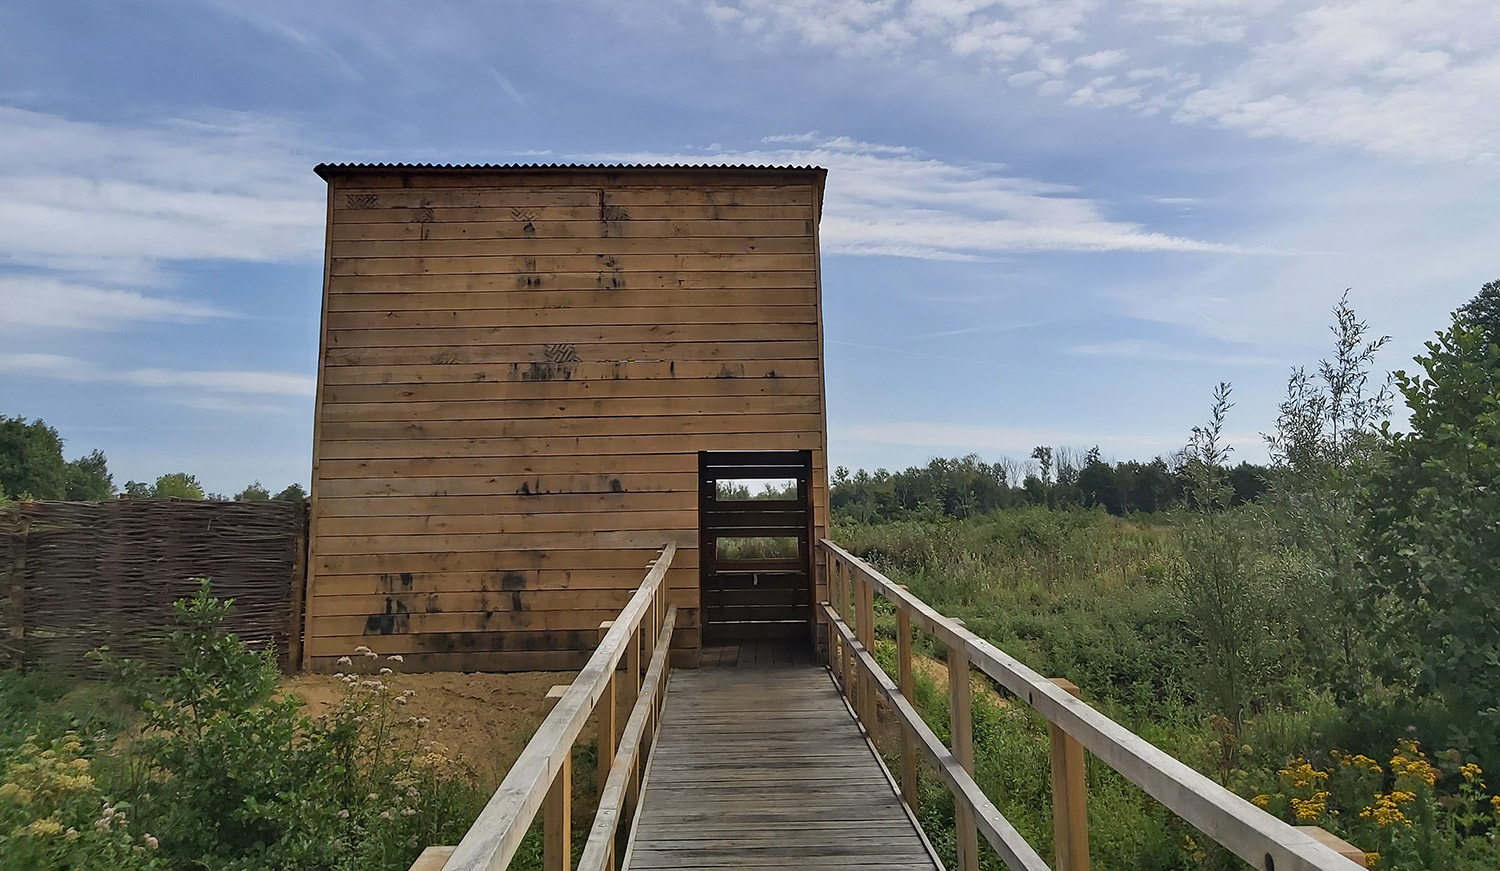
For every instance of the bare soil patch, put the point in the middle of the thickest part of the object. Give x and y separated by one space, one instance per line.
484 719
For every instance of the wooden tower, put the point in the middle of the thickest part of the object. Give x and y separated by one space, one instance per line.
532 377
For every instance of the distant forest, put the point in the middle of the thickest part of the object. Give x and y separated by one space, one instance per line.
1055 478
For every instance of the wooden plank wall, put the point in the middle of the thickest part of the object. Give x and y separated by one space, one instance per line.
518 370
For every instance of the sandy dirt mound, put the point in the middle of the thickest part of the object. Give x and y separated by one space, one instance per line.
485 719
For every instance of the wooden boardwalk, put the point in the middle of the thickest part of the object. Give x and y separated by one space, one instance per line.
758 764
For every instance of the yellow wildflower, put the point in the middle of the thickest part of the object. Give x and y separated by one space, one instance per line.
44 828
1372 860
1495 803
1310 809
1470 771
1261 801
1386 811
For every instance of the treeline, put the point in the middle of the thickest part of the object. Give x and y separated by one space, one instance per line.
1056 478
32 467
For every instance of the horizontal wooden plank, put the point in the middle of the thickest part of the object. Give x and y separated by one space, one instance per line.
423 316
642 539
462 467
458 601
500 662
515 264
499 563
599 279
542 336
558 408
556 503
516 640
546 213
588 373
530 246
510 228
666 352
609 178
560 582
507 485
576 446
568 427
427 524
427 196
418 623
570 389
592 299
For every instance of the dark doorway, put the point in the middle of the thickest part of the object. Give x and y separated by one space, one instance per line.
755 535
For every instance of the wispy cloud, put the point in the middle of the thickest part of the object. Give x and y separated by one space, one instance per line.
947 438
187 386
35 302
123 200
1135 349
1409 78
894 201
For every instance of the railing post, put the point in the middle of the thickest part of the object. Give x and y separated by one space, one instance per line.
557 810
866 598
1070 814
909 784
962 727
633 660
604 727
846 656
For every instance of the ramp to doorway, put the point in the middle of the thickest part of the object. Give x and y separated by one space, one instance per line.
761 766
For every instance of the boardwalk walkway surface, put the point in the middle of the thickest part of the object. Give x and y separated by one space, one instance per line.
759 765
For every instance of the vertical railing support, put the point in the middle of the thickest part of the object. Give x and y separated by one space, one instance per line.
1070 814
962 728
846 657
905 680
866 598
604 723
557 810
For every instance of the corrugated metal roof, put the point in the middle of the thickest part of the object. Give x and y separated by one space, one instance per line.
325 169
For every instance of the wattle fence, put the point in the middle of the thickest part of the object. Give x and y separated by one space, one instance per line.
75 576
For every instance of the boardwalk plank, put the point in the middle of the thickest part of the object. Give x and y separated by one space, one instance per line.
759 765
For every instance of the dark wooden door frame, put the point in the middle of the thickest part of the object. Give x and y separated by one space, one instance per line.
782 606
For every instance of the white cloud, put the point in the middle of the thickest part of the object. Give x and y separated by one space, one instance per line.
187 386
949 438
1136 349
123 200
37 302
890 200
1415 79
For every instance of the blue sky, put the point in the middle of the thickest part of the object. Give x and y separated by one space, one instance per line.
1048 221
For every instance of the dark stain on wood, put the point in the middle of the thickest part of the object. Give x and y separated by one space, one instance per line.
394 621
513 581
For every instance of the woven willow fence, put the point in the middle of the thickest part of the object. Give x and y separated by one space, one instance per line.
80 575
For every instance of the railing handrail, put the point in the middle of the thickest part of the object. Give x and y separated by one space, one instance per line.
1246 830
496 834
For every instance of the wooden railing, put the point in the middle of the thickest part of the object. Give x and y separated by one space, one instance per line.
1257 837
542 776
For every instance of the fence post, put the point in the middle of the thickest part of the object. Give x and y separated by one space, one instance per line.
557 810
17 616
1337 845
1070 814
962 727
846 656
866 598
605 723
299 588
904 679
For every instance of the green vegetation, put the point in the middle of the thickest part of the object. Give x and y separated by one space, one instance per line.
206 767
1326 643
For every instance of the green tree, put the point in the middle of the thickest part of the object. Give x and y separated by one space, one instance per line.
1433 538
1325 442
253 493
292 493
177 485
32 465
89 479
31 460
1231 601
